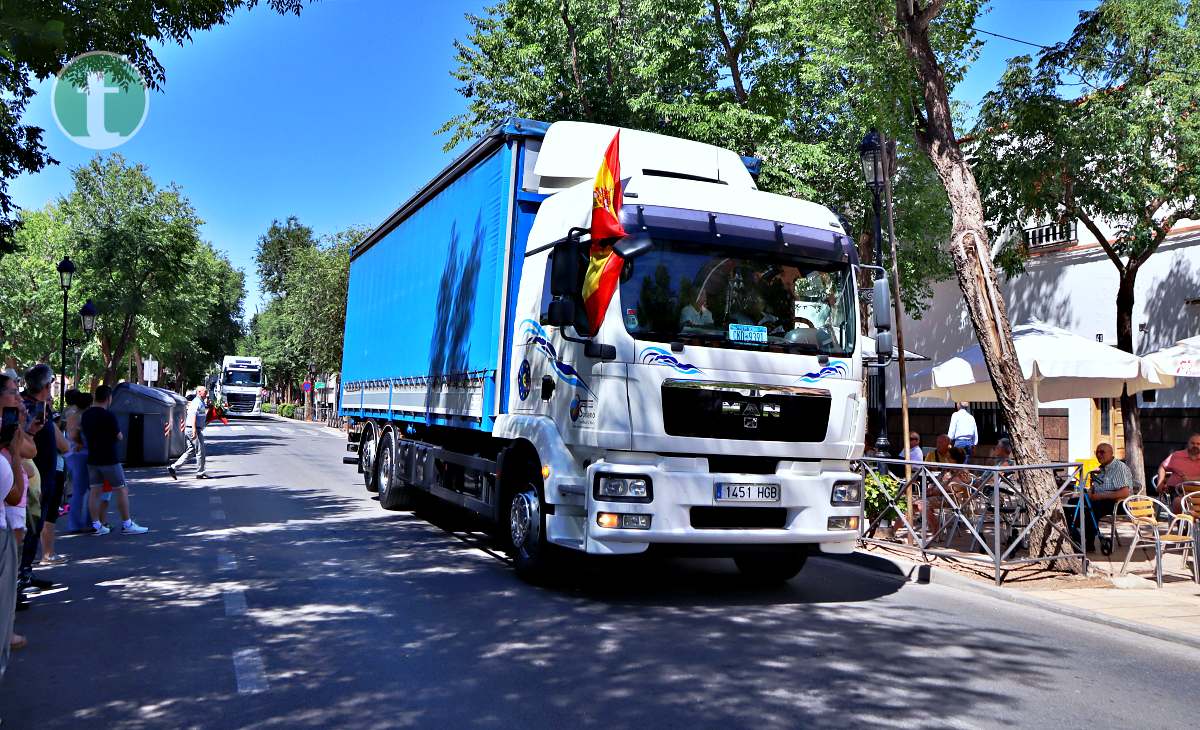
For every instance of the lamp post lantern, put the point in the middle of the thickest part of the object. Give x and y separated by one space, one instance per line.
870 153
87 320
66 272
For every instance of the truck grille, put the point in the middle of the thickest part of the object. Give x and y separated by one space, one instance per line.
240 402
739 518
744 412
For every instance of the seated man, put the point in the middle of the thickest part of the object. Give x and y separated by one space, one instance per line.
1181 466
1111 483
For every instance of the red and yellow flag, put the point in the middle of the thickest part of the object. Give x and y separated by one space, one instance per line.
604 264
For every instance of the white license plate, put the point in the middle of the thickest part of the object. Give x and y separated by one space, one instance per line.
727 492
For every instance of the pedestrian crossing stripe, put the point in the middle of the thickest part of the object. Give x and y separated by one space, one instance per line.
237 428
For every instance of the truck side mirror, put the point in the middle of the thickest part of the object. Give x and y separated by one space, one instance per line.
598 351
882 299
883 346
564 266
560 312
632 246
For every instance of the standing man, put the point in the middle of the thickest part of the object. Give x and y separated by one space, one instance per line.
101 432
963 432
1181 466
193 428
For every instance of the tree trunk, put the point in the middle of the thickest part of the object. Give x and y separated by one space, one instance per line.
976 273
1130 411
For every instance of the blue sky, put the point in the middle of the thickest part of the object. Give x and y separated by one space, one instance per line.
330 116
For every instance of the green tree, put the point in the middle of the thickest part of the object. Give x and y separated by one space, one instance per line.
31 302
132 244
38 37
278 250
315 303
785 80
1122 158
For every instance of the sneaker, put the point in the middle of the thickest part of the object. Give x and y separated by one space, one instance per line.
134 529
56 559
202 476
102 531
171 471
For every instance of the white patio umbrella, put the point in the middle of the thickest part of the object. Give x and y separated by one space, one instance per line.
1058 365
1182 360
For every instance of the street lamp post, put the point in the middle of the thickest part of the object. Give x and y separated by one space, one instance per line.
66 271
87 319
870 152
312 390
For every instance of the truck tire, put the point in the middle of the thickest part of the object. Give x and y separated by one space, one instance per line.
531 553
366 459
393 493
772 567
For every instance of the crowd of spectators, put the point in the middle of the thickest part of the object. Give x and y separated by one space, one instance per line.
52 465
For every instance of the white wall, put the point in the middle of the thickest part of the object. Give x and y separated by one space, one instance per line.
1075 290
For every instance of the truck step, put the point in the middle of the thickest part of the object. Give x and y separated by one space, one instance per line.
350 460
352 446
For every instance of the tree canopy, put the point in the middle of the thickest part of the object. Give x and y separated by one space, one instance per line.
794 82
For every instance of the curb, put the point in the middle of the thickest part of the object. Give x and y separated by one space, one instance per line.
909 572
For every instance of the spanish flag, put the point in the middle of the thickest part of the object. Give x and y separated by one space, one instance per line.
604 264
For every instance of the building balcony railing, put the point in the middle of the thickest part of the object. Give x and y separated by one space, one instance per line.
1052 235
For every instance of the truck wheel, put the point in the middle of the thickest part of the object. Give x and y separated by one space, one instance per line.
393 493
366 459
531 553
772 567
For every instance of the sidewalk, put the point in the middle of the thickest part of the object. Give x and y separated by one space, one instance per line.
1131 602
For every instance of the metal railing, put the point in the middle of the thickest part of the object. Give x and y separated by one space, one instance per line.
986 510
1052 234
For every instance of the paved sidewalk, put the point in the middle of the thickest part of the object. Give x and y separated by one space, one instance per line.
1132 602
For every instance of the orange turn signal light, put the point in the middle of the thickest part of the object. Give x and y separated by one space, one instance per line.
607 519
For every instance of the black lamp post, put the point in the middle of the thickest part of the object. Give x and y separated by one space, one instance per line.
66 272
87 319
312 389
870 152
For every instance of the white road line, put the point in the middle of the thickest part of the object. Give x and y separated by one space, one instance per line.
225 560
262 428
218 514
250 671
214 499
237 428
235 602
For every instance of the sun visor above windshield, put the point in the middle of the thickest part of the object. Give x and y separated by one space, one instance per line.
737 230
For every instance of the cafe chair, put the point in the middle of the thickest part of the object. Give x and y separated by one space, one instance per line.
1142 512
1191 511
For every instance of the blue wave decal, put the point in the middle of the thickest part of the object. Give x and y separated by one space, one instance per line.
837 368
535 334
659 356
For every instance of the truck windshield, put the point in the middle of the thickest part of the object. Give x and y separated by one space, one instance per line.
241 377
736 298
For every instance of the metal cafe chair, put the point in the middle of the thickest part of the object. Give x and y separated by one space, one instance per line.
1143 513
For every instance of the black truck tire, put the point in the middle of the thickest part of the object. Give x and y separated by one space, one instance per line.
394 494
532 554
366 458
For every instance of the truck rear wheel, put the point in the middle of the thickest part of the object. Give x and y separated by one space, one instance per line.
531 553
393 493
366 458
772 567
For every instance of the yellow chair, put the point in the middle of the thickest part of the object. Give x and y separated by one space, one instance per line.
1142 512
1191 511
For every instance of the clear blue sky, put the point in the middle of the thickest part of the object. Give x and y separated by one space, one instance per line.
330 116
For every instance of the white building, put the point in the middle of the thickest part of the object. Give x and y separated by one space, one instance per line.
1070 282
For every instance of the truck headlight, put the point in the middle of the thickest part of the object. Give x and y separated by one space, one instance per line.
846 493
611 488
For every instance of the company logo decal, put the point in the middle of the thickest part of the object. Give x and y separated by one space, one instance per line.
583 409
536 335
836 368
99 100
524 380
659 356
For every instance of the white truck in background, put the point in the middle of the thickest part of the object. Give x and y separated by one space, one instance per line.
240 385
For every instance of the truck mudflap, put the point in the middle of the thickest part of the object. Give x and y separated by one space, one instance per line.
677 501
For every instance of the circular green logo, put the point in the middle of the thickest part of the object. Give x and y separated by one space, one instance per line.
99 100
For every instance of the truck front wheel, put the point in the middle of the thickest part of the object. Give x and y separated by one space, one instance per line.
527 533
366 459
772 567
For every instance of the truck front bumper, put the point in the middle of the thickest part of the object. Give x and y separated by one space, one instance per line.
684 509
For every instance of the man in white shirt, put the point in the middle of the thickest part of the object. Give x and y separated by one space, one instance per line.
963 432
193 429
914 452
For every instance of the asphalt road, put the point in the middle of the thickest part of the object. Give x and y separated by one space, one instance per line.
279 595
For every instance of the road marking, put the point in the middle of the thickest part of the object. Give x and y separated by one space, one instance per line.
225 560
262 428
218 514
237 428
214 499
250 671
235 602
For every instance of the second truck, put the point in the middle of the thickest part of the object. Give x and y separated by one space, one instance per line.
716 411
